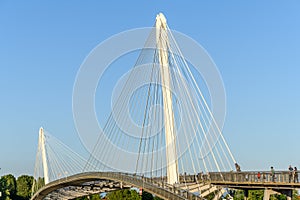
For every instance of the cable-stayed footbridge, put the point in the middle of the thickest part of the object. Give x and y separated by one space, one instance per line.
174 150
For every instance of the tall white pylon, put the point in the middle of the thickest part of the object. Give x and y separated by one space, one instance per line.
44 158
162 42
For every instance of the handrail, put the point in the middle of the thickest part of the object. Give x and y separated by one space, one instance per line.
285 177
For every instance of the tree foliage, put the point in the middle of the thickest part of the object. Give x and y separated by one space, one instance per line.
238 195
24 185
256 195
124 194
259 194
19 189
147 196
8 187
37 184
91 197
131 195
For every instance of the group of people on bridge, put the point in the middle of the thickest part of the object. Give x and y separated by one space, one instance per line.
291 175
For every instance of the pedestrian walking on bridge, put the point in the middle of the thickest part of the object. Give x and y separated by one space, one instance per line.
258 176
290 173
295 174
272 174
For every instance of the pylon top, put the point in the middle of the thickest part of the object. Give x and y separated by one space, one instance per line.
161 20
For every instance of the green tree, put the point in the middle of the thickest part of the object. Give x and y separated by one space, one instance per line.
8 187
147 196
24 185
295 194
210 196
238 195
278 197
95 197
91 197
124 194
37 184
256 194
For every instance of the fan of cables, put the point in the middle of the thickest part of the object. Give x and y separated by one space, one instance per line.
133 138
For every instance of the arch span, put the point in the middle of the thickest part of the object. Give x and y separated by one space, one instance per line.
129 179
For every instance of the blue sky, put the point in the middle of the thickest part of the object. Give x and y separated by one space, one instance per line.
255 44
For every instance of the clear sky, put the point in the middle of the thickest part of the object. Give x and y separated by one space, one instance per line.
255 44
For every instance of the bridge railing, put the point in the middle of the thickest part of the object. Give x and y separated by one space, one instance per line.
250 176
160 189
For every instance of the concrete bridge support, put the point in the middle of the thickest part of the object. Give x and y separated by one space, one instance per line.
267 194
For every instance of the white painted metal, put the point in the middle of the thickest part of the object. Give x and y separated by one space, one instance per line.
162 46
220 194
268 193
44 158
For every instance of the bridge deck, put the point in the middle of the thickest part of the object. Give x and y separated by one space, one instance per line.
129 179
247 179
189 188
257 185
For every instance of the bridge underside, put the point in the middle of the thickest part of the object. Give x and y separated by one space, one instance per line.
97 182
94 187
257 185
190 187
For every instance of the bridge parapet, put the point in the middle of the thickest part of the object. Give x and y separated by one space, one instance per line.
283 177
246 176
251 176
247 179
